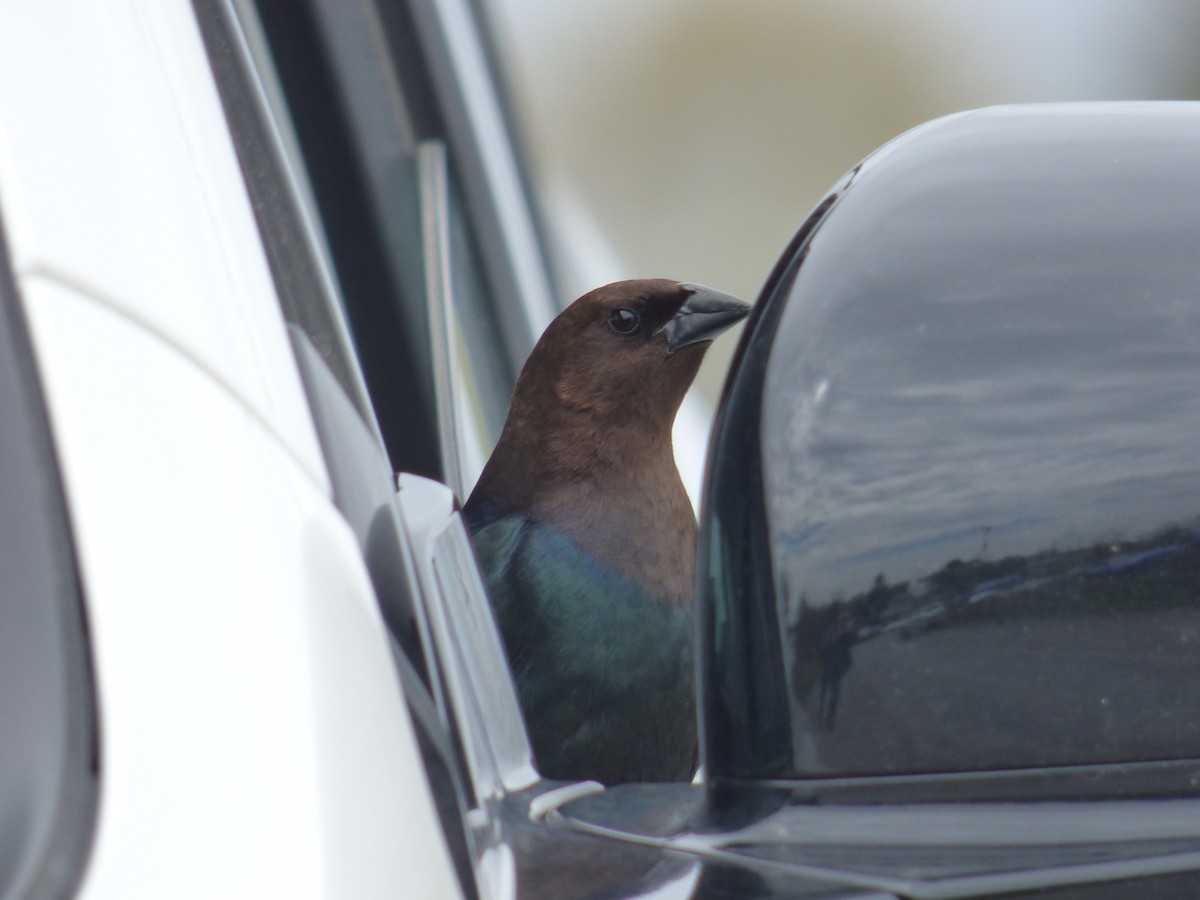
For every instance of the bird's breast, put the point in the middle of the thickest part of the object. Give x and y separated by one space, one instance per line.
647 534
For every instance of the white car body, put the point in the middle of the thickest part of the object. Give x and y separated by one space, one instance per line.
243 283
255 741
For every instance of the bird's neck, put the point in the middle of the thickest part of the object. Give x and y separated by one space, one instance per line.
612 489
637 519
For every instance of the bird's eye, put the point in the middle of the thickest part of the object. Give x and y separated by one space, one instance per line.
624 320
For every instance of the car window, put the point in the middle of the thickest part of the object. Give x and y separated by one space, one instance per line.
471 387
397 316
49 766
369 112
327 350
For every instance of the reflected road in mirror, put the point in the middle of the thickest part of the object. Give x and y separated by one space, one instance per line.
981 450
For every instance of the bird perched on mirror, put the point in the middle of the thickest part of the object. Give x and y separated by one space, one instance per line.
587 538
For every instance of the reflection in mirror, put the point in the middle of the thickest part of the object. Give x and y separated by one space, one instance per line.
981 451
1099 644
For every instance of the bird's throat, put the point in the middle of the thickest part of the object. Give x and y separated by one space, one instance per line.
635 518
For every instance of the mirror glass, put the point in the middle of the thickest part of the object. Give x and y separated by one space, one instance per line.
980 449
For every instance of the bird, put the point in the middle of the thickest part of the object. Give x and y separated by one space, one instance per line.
587 538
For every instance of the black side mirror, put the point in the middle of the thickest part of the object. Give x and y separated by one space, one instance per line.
952 511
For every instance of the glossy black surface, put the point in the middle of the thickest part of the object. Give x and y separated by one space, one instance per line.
958 849
953 520
927 848
691 861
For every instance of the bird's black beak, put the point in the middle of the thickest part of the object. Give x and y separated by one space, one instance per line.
704 315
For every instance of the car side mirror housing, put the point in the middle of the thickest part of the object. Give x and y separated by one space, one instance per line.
951 522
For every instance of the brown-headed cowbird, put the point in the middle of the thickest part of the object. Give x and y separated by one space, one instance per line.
588 539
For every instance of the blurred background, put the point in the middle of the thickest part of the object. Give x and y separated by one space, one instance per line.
697 134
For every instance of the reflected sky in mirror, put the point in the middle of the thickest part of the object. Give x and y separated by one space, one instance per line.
981 450
991 380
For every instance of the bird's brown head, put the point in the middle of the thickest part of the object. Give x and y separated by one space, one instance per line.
598 395
628 350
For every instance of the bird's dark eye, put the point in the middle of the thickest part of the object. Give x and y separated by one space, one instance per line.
624 320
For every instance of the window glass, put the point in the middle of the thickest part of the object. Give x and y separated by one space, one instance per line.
363 104
347 227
